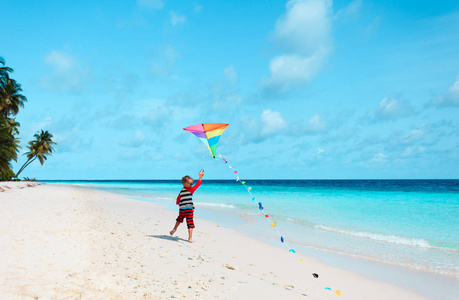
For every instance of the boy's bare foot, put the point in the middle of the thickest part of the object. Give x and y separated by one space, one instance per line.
191 241
172 232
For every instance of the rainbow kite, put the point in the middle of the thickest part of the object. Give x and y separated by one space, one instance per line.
208 133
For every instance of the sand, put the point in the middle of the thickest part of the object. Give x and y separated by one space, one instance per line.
70 242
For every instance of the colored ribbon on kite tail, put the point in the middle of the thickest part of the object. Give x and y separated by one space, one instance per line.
272 223
260 207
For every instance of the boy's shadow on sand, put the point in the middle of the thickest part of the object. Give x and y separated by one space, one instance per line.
167 237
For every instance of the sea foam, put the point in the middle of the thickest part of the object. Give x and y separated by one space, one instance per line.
221 205
390 239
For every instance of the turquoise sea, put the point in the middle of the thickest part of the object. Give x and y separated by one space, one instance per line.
411 223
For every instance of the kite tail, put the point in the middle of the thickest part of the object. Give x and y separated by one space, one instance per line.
268 219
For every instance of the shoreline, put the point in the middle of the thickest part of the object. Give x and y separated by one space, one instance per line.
104 244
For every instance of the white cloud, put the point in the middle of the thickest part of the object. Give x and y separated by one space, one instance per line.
256 131
176 19
225 100
151 4
135 141
306 26
413 136
305 33
316 124
379 158
158 113
413 151
231 74
319 152
391 108
71 140
289 70
43 123
451 98
272 122
59 61
398 140
158 116
351 11
165 62
67 73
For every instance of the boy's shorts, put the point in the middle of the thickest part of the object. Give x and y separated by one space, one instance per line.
188 214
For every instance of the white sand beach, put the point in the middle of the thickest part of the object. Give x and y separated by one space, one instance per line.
68 242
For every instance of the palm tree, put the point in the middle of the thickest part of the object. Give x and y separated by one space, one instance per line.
10 125
4 77
4 70
38 148
9 145
10 97
11 100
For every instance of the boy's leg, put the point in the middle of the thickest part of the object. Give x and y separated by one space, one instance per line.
175 228
190 224
178 221
190 235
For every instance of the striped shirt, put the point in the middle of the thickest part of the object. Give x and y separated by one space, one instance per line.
185 198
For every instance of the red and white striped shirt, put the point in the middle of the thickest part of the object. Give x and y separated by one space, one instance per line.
185 197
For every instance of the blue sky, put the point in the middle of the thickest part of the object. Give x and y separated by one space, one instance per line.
311 89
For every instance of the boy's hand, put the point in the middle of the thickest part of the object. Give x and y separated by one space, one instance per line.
201 173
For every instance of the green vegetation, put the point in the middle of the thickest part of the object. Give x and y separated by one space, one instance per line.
11 101
38 148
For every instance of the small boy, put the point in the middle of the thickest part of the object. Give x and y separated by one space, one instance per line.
185 202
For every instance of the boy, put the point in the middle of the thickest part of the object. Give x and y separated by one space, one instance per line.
185 201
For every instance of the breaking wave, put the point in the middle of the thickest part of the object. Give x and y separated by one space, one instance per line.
220 205
390 239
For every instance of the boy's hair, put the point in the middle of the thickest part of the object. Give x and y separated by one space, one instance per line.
186 178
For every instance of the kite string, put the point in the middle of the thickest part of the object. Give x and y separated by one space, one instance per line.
273 224
260 207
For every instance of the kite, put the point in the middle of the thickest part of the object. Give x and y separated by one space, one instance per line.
208 133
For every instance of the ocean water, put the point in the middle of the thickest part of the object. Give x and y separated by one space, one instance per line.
411 223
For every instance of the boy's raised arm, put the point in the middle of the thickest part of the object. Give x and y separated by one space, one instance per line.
198 183
195 187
